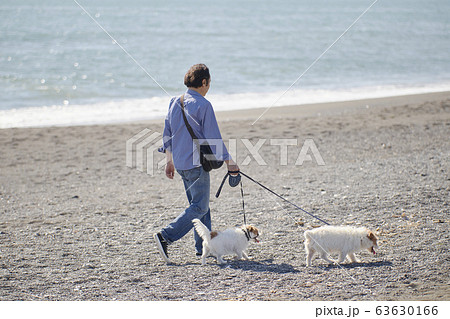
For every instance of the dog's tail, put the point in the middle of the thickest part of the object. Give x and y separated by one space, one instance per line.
202 230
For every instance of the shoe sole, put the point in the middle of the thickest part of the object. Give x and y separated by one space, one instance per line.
160 248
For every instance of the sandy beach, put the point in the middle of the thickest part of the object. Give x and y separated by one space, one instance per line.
76 223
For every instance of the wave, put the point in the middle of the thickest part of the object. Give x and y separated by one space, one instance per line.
135 110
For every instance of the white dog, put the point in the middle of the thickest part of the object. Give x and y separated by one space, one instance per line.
230 241
344 239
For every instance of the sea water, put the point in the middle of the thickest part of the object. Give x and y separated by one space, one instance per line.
72 62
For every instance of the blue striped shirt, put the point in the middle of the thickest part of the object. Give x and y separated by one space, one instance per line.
176 137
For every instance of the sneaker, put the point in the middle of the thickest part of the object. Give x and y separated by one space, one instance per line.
161 245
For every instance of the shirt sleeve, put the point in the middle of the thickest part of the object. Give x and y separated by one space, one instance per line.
167 133
212 134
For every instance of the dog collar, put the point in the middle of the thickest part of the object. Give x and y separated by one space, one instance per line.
246 234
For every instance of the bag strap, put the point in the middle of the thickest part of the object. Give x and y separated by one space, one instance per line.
188 126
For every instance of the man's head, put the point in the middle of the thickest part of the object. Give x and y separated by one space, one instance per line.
197 77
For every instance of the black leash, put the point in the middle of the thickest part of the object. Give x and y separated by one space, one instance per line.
243 203
266 188
234 180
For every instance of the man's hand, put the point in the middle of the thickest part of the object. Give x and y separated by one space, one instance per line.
170 170
232 167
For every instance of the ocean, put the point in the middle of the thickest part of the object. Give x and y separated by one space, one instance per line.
59 66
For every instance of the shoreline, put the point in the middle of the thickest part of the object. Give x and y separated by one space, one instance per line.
328 108
303 110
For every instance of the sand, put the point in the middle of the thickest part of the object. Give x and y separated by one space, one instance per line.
76 223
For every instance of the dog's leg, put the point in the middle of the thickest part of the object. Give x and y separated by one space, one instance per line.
220 259
203 259
353 258
342 257
240 255
245 256
309 256
205 253
324 256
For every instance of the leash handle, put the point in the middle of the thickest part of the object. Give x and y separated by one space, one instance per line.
229 173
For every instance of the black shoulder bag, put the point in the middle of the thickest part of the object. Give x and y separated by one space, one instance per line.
207 157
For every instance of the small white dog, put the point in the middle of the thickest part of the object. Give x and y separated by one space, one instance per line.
229 241
344 239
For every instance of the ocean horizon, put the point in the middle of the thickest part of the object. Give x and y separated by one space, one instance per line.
62 67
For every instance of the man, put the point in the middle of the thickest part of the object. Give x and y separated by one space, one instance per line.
182 155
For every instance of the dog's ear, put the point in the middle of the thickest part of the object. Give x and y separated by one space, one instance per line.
252 229
371 236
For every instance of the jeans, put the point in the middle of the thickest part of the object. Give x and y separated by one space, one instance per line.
197 185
